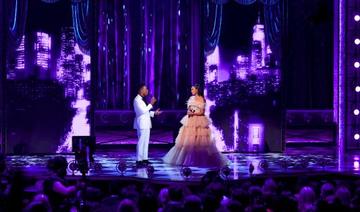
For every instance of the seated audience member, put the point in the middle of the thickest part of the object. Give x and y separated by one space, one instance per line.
55 186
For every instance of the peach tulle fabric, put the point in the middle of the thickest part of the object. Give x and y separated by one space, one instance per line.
193 145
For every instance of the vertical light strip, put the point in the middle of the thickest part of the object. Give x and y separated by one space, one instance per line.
336 63
341 96
236 129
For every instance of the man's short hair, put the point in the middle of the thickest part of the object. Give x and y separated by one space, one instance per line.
141 85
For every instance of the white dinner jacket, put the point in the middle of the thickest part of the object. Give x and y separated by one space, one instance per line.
142 114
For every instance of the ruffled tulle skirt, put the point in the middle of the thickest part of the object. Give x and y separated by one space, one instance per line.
194 146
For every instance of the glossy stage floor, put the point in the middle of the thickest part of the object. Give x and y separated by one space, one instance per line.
294 161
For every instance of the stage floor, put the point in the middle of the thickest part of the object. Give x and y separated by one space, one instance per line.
121 137
105 137
295 161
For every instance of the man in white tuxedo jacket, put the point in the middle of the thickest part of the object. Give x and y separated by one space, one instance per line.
142 124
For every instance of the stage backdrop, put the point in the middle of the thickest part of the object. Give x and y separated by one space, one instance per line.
164 44
149 41
3 32
48 74
243 73
145 41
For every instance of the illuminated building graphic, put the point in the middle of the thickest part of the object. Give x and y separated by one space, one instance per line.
73 71
42 47
259 47
20 55
252 74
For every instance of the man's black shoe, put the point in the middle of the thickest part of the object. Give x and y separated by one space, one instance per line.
146 162
139 164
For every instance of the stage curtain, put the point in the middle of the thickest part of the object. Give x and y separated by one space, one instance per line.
80 10
81 23
17 20
213 16
247 2
212 26
273 25
50 1
150 41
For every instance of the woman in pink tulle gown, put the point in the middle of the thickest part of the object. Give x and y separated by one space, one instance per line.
193 145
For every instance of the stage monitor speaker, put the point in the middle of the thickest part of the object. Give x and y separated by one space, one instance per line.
80 143
84 148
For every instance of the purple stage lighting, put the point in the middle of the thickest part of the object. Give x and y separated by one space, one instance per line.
349 65
356 112
256 137
356 64
236 129
356 136
357 89
356 165
357 18
74 79
357 41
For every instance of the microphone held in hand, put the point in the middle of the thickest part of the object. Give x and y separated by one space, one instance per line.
158 112
153 100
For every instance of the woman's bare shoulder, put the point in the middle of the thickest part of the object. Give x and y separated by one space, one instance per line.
200 99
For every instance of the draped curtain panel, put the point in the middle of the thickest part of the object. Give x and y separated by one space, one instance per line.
81 23
273 26
148 41
247 2
212 26
50 1
17 20
213 17
3 41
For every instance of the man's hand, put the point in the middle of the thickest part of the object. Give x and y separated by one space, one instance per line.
158 112
153 100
